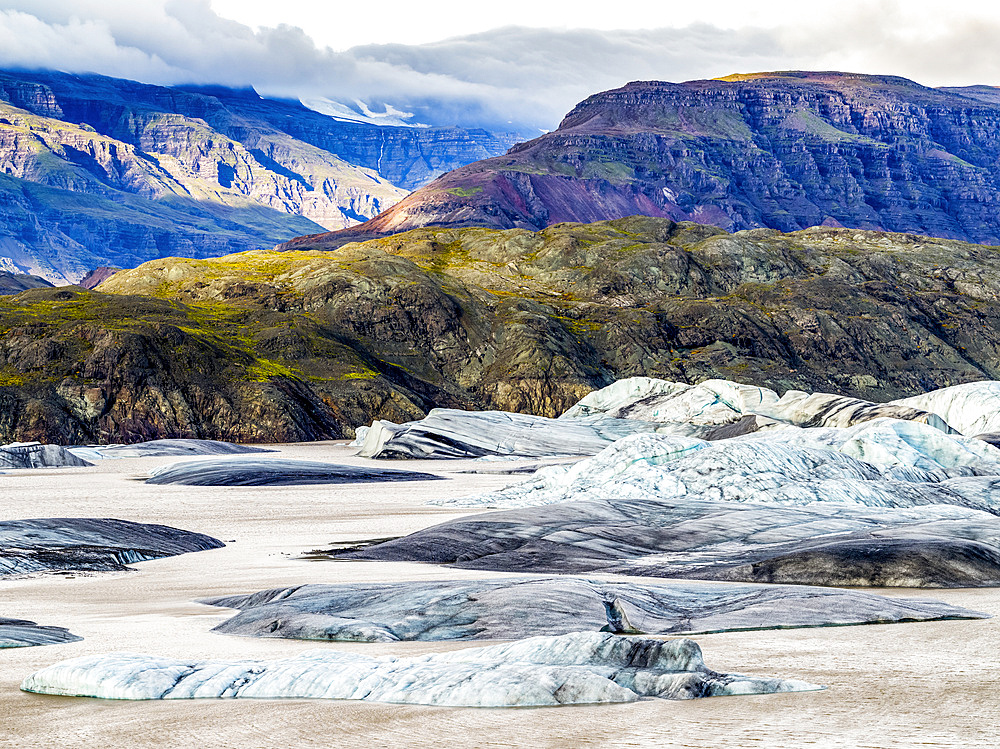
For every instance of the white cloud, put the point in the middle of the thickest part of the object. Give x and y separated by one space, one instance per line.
531 76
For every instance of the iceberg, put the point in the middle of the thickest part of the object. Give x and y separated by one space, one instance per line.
20 633
508 608
879 463
274 472
165 447
571 669
36 455
451 433
54 544
972 408
824 543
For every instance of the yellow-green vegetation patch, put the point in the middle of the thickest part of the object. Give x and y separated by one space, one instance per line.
613 171
263 370
365 374
10 377
464 192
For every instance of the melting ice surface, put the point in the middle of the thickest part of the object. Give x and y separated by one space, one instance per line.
879 463
577 668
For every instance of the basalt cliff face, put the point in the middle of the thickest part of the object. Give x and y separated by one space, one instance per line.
102 171
778 150
297 345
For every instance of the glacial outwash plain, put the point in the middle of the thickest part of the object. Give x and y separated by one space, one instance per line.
678 425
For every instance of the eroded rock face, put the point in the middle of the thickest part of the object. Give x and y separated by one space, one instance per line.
15 283
88 544
578 668
100 171
517 607
778 150
20 633
274 472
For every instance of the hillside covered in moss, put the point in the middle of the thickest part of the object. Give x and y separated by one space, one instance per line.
307 344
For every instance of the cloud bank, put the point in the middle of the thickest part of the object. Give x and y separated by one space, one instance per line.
513 76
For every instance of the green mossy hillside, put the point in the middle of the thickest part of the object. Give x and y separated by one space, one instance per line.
269 345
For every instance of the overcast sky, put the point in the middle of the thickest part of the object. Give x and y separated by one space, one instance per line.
527 61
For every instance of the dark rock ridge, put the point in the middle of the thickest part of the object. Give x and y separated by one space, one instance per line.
20 633
824 544
101 171
518 607
782 150
289 346
15 283
275 472
90 544
97 276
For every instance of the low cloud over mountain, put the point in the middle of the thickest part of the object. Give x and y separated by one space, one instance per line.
524 76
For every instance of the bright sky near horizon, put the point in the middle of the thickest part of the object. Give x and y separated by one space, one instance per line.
343 25
519 63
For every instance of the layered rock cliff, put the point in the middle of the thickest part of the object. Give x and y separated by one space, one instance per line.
779 150
252 171
268 346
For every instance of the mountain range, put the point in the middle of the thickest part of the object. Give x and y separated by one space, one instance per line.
98 171
783 150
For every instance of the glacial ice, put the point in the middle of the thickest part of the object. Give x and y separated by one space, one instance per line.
577 668
972 408
274 472
717 402
19 633
711 402
879 463
822 543
450 433
165 448
42 545
36 455
509 608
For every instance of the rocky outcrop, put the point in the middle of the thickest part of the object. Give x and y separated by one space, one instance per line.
509 608
235 171
578 668
15 283
298 345
97 276
783 150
